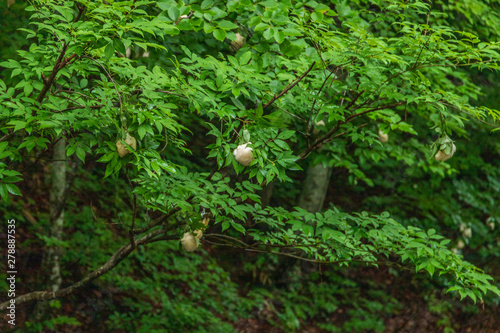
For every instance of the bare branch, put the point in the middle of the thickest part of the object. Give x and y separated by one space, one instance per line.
115 259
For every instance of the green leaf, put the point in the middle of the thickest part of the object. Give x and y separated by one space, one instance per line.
107 157
430 268
10 64
286 134
269 33
261 27
13 189
227 25
80 153
238 227
109 51
245 58
4 191
173 13
279 36
219 34
206 4
471 294
3 145
18 124
118 46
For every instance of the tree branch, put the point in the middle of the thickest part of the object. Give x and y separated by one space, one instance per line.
320 141
309 122
159 220
60 64
110 77
115 259
290 86
6 136
387 106
47 82
81 107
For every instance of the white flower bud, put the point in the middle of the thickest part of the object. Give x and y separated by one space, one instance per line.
180 18
243 154
442 156
198 234
189 242
121 148
490 222
463 226
460 244
467 233
239 42
318 124
205 221
383 137
131 141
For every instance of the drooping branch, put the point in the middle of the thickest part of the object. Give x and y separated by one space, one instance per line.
115 259
162 218
275 249
159 220
154 235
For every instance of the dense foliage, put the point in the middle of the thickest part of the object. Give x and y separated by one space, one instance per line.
152 102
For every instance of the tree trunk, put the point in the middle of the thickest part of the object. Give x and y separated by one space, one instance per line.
315 187
57 213
51 262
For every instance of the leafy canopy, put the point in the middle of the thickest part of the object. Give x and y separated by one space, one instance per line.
165 71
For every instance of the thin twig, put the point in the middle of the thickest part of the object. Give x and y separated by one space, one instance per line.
309 122
109 76
6 136
387 106
77 93
290 86
467 113
80 107
320 141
